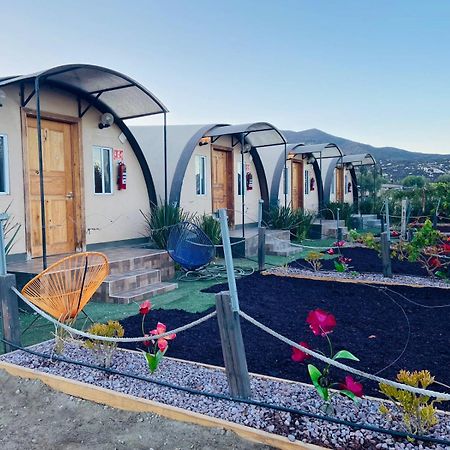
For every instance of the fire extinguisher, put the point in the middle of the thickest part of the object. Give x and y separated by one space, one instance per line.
249 181
121 176
349 187
312 184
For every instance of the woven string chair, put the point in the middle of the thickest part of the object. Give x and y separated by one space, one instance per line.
189 246
64 288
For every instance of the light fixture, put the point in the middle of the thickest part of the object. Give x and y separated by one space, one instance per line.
2 98
310 159
106 120
349 166
247 148
204 141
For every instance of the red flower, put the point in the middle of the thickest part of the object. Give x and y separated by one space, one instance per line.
339 244
395 233
147 343
162 342
446 248
145 307
321 322
330 251
435 262
298 355
344 260
353 386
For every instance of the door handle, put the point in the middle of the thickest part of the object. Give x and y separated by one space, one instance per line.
69 195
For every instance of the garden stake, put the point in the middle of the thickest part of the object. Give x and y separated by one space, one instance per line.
9 302
261 248
232 347
386 255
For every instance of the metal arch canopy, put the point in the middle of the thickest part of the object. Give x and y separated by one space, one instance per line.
363 159
125 97
257 134
323 151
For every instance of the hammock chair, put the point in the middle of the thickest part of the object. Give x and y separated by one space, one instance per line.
190 247
63 289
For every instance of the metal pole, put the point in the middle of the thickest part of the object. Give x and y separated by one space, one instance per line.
243 184
41 172
386 255
388 220
223 218
3 218
165 158
285 176
374 187
260 212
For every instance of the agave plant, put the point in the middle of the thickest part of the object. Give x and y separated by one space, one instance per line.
10 231
281 218
160 219
210 226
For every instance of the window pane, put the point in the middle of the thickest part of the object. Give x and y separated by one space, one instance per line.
202 175
107 170
98 185
2 164
200 171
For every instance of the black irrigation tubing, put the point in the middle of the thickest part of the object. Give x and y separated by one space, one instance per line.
355 425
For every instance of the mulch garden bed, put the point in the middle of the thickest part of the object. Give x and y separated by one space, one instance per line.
366 260
371 323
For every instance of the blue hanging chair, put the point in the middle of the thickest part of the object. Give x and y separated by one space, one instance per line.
189 246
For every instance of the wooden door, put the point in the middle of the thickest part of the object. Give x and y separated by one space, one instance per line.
59 189
297 185
339 185
222 181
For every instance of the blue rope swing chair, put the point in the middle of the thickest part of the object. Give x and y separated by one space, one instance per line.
190 247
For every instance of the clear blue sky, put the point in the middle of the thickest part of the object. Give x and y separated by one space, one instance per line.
373 71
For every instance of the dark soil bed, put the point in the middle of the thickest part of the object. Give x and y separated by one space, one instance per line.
370 324
365 260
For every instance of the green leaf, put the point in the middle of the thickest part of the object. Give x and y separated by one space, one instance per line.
153 360
315 374
350 395
345 354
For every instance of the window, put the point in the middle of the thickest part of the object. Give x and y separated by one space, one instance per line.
306 181
333 181
346 184
103 170
239 179
4 170
200 175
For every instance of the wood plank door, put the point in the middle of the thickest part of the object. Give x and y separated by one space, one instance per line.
222 181
297 185
339 184
58 187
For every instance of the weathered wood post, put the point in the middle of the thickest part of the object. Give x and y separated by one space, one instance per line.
403 219
386 255
8 299
338 227
233 349
261 248
388 219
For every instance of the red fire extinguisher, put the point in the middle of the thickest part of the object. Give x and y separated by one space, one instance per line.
312 184
249 181
121 176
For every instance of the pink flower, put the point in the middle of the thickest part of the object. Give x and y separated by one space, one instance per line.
395 233
145 307
298 355
353 386
344 260
339 244
147 343
321 322
162 342
330 251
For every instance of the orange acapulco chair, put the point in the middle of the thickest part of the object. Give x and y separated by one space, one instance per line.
64 288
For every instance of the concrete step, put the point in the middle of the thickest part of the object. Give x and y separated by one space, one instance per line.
132 280
142 293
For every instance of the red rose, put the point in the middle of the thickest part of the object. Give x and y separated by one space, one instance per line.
145 307
353 386
298 355
321 322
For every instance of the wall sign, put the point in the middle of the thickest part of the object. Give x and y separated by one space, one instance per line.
118 154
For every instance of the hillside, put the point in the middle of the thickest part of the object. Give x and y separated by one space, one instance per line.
396 163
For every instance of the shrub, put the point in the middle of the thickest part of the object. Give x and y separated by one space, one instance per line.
281 218
304 220
104 350
313 258
211 227
345 212
159 220
10 230
417 411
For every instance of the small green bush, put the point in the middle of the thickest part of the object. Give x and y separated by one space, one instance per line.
103 350
211 227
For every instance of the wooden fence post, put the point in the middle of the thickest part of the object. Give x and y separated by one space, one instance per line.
403 219
386 255
10 311
261 248
232 347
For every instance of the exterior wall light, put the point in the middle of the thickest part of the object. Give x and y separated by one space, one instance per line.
204 141
106 120
2 98
247 148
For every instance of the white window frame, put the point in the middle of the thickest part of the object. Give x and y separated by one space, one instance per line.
199 158
6 164
306 175
111 172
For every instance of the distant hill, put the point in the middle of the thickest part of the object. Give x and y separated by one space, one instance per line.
315 136
406 162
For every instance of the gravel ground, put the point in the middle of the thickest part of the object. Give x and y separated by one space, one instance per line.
33 416
211 380
409 280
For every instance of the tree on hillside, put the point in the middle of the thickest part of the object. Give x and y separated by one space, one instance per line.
416 181
445 178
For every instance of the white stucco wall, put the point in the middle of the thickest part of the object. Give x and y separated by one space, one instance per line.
108 217
348 195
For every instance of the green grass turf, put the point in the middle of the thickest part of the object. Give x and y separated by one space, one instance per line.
187 297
